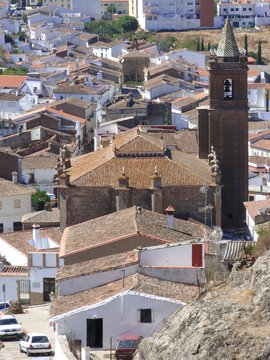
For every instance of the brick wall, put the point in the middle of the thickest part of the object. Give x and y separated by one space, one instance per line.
8 164
206 13
79 204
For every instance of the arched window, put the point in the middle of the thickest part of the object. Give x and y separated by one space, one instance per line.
228 89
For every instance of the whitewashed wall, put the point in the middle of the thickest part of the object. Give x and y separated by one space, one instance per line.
13 256
9 214
120 316
75 285
11 288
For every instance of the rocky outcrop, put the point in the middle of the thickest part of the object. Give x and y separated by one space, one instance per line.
231 321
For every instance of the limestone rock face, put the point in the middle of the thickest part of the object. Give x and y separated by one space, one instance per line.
231 321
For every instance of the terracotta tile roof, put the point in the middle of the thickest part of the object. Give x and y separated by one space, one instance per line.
14 271
138 283
111 262
259 134
104 167
184 140
19 239
8 188
140 171
161 80
122 104
66 115
254 125
11 97
11 81
42 161
254 207
75 89
42 217
259 160
124 224
263 144
136 54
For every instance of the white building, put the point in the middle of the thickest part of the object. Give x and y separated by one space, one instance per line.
109 50
12 105
91 8
34 259
15 201
136 303
245 14
106 290
168 15
160 86
16 246
257 214
39 170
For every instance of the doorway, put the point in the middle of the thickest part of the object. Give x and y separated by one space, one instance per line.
48 287
95 333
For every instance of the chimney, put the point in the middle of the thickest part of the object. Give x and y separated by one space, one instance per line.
123 180
99 75
14 177
1 266
170 216
36 236
156 179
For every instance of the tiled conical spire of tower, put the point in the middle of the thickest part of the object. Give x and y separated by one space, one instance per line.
227 46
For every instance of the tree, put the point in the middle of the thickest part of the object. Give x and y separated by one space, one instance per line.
8 39
168 41
25 18
111 9
202 45
209 46
259 54
198 44
39 199
246 44
128 23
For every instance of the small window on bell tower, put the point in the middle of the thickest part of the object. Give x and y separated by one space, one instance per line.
228 90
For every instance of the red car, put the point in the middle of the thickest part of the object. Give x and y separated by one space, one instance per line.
126 347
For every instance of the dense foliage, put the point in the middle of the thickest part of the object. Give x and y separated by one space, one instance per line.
168 41
39 199
113 28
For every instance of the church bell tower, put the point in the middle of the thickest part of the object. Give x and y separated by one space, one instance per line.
224 125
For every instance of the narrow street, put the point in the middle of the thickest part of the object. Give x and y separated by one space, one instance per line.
35 319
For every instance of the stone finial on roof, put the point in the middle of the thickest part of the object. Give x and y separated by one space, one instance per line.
227 46
170 209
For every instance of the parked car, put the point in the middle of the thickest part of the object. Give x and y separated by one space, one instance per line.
4 306
34 343
9 327
126 346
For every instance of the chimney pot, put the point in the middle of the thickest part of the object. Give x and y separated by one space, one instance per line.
14 177
170 216
36 235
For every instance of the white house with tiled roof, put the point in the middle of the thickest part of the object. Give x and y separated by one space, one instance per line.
15 201
257 216
134 304
33 256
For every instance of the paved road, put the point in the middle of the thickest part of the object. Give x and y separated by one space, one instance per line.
35 319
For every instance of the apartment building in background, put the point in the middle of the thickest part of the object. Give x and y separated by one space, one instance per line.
245 13
91 8
158 15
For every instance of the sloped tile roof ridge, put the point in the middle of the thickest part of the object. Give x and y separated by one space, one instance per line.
85 156
227 46
131 134
102 264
